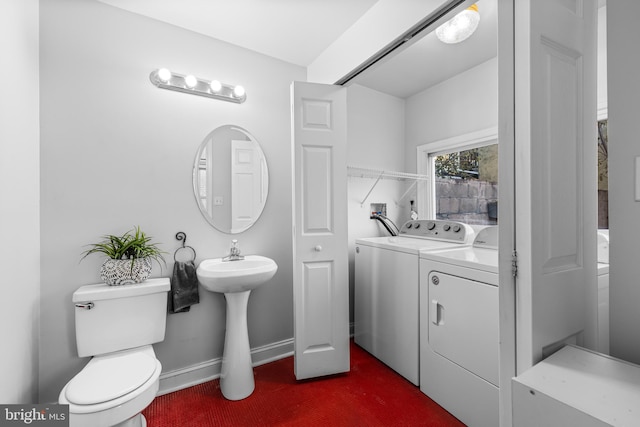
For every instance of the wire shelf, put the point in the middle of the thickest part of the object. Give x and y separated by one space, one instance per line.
378 174
359 172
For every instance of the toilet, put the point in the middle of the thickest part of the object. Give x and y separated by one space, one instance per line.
116 326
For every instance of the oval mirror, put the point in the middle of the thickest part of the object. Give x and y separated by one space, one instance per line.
230 179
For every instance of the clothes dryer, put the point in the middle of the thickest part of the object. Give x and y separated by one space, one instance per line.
459 329
386 300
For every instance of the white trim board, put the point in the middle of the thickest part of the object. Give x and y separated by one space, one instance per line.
209 370
466 140
603 111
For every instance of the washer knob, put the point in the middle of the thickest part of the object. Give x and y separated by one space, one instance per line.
417 225
431 225
456 228
446 227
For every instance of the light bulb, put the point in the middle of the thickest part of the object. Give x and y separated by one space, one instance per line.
164 75
190 81
238 91
215 86
460 27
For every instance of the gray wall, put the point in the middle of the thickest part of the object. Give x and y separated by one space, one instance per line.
118 152
376 141
624 211
465 103
19 205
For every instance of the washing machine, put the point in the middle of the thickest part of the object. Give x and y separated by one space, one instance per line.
386 300
459 329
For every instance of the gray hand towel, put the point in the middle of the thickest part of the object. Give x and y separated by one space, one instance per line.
184 287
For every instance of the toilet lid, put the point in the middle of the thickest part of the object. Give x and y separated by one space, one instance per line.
109 377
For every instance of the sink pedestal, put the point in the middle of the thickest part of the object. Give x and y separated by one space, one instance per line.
236 279
236 378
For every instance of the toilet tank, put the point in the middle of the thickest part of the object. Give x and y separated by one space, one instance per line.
113 318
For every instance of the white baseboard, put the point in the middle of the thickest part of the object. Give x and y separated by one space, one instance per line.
209 370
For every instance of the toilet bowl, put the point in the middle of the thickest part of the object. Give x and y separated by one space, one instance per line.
116 325
112 390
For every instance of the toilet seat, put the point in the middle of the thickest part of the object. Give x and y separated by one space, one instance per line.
106 378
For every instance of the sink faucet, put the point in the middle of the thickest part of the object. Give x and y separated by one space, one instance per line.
234 253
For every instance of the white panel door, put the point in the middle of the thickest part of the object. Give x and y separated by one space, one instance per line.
555 152
320 269
246 185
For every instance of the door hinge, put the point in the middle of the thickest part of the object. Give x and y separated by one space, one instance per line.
514 263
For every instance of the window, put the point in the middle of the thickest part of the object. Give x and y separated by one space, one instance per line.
603 175
463 183
466 185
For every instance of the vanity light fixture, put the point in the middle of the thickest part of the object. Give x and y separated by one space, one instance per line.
190 81
238 91
215 86
165 79
164 75
460 27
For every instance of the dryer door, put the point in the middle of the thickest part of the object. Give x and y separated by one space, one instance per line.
463 323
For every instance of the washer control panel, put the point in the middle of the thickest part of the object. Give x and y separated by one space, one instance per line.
438 229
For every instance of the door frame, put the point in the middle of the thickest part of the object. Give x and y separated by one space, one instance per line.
506 182
506 205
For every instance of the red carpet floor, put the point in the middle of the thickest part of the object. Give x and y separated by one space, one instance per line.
371 394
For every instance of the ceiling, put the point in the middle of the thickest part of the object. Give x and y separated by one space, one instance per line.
296 31
429 61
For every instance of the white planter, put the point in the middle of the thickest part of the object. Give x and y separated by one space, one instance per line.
122 272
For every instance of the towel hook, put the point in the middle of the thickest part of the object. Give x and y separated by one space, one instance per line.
181 236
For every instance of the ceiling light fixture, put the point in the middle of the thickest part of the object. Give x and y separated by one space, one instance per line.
460 27
165 79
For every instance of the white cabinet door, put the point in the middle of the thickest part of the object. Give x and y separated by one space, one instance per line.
320 251
555 159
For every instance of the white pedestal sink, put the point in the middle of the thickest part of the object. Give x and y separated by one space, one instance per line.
235 279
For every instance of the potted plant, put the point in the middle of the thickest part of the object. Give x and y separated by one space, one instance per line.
129 257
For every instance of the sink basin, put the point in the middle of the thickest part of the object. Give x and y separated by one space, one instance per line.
221 276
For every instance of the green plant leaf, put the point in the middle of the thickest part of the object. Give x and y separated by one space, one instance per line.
131 245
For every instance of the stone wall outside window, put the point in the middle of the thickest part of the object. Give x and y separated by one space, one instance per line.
467 200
